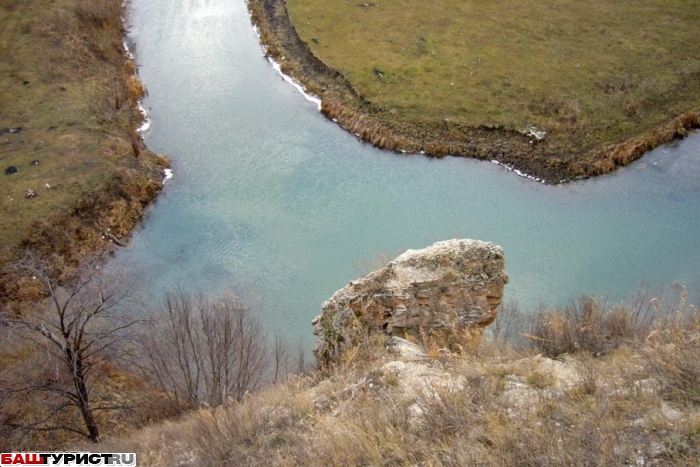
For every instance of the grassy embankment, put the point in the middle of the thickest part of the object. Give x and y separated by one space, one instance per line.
66 82
69 99
613 387
605 81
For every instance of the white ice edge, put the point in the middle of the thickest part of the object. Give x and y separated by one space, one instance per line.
146 120
519 173
129 55
317 101
276 66
168 175
296 85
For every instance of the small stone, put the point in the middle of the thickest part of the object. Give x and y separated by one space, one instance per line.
10 130
408 350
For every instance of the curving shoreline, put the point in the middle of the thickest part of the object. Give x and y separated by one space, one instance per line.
517 150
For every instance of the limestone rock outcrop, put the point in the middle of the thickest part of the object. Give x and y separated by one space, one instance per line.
447 287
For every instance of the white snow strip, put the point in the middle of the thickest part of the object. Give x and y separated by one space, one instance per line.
530 129
257 33
168 175
126 49
519 173
287 78
146 120
296 85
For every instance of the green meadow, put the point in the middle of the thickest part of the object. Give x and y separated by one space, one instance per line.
587 73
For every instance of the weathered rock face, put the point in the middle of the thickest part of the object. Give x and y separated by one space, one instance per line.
448 286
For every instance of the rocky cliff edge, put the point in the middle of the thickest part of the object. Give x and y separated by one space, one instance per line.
447 289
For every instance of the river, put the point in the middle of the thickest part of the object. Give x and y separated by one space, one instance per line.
271 200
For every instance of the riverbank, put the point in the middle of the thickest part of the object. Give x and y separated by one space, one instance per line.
71 93
76 180
569 149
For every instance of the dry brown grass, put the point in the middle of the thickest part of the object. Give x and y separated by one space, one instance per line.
635 405
672 355
136 405
623 390
135 89
581 327
588 324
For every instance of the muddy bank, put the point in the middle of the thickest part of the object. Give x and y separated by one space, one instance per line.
543 160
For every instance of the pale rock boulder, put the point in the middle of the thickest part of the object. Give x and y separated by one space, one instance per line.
449 286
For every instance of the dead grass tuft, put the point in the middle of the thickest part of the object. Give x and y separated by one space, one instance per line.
672 355
135 89
581 327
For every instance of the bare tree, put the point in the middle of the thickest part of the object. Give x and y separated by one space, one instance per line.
205 351
80 327
281 359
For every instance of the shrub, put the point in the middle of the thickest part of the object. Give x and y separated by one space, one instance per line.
581 327
205 351
672 357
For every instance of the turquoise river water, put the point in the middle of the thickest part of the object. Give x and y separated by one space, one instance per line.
271 200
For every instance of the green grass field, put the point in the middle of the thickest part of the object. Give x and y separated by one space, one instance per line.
588 73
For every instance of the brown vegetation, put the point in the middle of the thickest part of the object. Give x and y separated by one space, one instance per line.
72 95
91 359
619 155
65 81
633 403
62 358
622 390
205 352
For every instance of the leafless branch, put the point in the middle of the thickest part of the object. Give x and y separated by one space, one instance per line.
83 325
205 351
